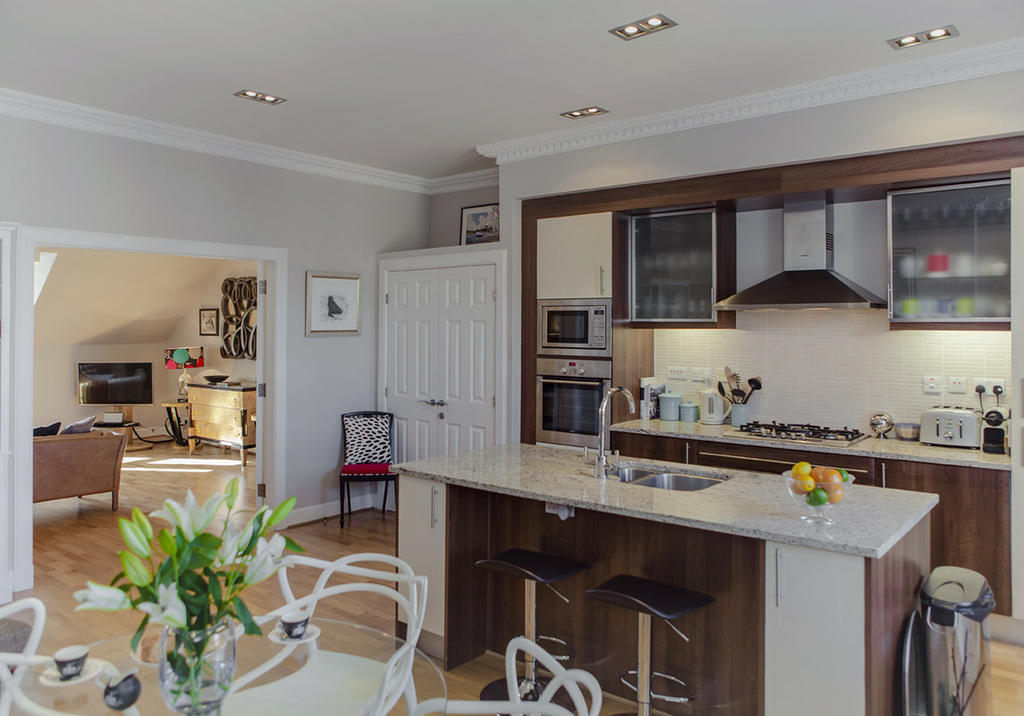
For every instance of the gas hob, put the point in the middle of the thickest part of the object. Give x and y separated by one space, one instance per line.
799 433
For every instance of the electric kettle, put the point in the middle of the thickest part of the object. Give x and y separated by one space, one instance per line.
713 408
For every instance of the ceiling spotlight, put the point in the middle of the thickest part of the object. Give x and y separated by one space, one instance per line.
257 96
639 28
939 33
584 112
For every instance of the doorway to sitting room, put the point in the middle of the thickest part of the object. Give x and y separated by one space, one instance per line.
157 347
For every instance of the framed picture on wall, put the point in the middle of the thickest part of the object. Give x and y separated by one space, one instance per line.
209 321
480 224
332 304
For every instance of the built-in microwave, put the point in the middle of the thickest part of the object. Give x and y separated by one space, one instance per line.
575 326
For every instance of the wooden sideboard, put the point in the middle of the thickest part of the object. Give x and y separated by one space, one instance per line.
224 415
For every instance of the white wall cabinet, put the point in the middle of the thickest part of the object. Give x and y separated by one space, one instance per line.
574 256
813 631
421 542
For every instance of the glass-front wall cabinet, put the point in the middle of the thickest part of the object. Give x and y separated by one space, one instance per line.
950 253
672 266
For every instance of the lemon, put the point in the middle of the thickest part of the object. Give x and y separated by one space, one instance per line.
803 485
801 468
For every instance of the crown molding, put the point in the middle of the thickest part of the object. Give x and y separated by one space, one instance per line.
482 179
994 59
90 119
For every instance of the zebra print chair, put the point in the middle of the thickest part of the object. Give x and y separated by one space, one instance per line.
367 451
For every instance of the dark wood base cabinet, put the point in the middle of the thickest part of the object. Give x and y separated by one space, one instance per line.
970 526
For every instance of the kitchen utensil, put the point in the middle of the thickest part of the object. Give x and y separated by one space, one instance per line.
908 431
722 392
755 384
739 396
938 264
965 307
995 433
713 407
954 427
732 378
820 500
881 423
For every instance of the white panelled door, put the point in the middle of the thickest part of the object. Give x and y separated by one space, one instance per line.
440 369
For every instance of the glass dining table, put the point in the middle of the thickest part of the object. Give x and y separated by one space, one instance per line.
345 659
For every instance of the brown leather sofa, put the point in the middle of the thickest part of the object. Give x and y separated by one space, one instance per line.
76 465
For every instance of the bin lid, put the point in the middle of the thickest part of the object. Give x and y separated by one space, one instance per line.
956 589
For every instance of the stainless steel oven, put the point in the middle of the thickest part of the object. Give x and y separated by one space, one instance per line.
575 327
569 392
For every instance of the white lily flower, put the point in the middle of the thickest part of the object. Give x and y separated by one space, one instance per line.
268 559
228 552
102 597
169 611
179 515
204 515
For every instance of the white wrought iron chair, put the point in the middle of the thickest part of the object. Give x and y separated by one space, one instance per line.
372 688
577 684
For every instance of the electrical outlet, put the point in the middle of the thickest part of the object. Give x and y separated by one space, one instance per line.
958 385
989 384
676 372
701 375
931 384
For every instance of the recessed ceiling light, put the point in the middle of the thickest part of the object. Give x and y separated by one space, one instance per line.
645 26
261 97
584 112
939 33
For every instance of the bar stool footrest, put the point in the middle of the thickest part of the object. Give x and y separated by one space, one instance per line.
567 652
691 695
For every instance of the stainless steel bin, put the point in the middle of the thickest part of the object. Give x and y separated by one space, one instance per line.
946 662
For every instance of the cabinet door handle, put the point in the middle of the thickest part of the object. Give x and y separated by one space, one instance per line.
888 295
601 280
778 577
687 453
883 474
433 507
764 459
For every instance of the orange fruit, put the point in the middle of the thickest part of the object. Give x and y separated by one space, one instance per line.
836 493
818 472
801 468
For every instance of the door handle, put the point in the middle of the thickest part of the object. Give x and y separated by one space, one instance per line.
430 402
433 507
440 403
601 280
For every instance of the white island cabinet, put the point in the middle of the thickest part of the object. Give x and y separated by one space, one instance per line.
421 543
574 256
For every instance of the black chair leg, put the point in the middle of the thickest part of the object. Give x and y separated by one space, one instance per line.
384 504
348 490
342 485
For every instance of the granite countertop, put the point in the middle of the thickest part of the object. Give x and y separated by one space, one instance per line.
872 447
868 522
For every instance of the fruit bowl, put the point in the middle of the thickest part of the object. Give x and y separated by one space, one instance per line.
818 490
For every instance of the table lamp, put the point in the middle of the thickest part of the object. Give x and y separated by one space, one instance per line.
184 358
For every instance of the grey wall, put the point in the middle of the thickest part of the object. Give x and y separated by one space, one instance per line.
65 178
446 213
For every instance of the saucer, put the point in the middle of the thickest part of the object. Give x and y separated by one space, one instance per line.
277 636
51 677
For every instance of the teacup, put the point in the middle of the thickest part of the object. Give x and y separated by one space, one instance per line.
294 623
70 661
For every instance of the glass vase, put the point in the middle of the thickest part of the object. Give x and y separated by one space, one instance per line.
196 667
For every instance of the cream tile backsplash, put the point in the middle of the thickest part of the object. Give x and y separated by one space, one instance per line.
835 367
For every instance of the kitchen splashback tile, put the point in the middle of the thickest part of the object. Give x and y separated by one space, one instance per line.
836 367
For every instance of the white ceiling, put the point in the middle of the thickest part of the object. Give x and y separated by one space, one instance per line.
413 87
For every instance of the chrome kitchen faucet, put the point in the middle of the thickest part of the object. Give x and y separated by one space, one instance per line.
604 418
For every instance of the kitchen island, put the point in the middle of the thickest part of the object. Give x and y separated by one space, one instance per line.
803 616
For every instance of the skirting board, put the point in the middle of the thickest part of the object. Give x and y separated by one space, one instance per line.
1008 630
312 513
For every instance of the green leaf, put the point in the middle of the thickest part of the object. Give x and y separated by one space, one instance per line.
167 544
206 542
231 493
280 512
119 575
291 544
214 585
134 569
142 522
197 560
138 632
245 617
133 537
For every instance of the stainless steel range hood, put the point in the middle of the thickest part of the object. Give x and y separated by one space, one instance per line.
809 279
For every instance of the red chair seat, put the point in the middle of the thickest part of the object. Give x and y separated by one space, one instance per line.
367 468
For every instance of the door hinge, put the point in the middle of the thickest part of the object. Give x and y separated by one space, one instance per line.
494 294
385 391
387 298
494 401
261 287
261 489
261 390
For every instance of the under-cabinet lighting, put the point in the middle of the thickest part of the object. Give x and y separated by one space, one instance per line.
261 97
584 112
644 26
920 38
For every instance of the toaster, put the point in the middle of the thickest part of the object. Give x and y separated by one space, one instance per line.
953 426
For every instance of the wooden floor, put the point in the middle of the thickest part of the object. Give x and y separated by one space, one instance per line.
77 540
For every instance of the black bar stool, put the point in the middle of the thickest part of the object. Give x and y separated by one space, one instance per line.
650 598
532 567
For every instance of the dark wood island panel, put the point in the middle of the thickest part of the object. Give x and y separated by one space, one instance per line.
723 661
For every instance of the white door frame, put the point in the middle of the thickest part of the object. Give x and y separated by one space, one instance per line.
453 257
27 240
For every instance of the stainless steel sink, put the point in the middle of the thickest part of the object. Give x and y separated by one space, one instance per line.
631 474
675 481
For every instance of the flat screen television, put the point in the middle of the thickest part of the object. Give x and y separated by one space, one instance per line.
115 383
